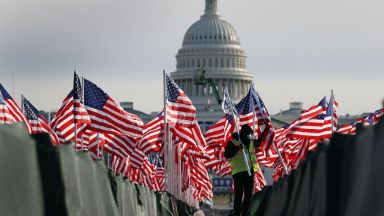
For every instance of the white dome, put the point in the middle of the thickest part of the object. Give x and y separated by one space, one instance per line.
211 29
213 44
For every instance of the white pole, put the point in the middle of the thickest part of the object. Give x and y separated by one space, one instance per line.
170 159
82 101
180 172
332 96
165 139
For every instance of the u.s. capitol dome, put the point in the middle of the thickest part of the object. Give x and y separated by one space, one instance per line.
212 44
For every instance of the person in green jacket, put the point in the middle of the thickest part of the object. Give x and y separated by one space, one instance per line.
243 182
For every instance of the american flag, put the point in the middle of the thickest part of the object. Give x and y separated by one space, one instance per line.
37 122
259 181
107 116
5 115
71 114
220 133
222 169
160 178
247 111
79 112
180 110
153 135
227 105
216 156
329 124
347 129
192 136
91 141
124 146
267 144
181 117
9 111
373 118
261 110
309 128
200 179
282 138
63 123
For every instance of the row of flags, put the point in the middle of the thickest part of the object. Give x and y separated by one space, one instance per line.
95 122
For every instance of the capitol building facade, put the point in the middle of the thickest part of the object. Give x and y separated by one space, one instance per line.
211 47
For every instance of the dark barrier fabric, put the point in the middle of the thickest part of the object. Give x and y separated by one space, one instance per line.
50 171
355 173
183 209
342 178
260 200
20 184
278 194
335 154
375 189
318 198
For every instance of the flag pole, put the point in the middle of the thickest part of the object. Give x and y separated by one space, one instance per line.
273 143
82 101
332 96
165 128
74 115
179 170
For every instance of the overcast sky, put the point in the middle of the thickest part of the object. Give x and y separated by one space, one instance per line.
298 50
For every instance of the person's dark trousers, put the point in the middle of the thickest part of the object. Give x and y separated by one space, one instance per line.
243 187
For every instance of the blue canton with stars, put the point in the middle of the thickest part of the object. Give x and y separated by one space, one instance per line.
77 94
322 103
330 107
247 104
2 101
93 96
172 90
4 92
30 111
227 105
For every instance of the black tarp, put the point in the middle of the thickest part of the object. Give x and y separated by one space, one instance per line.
317 200
50 171
342 178
20 183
